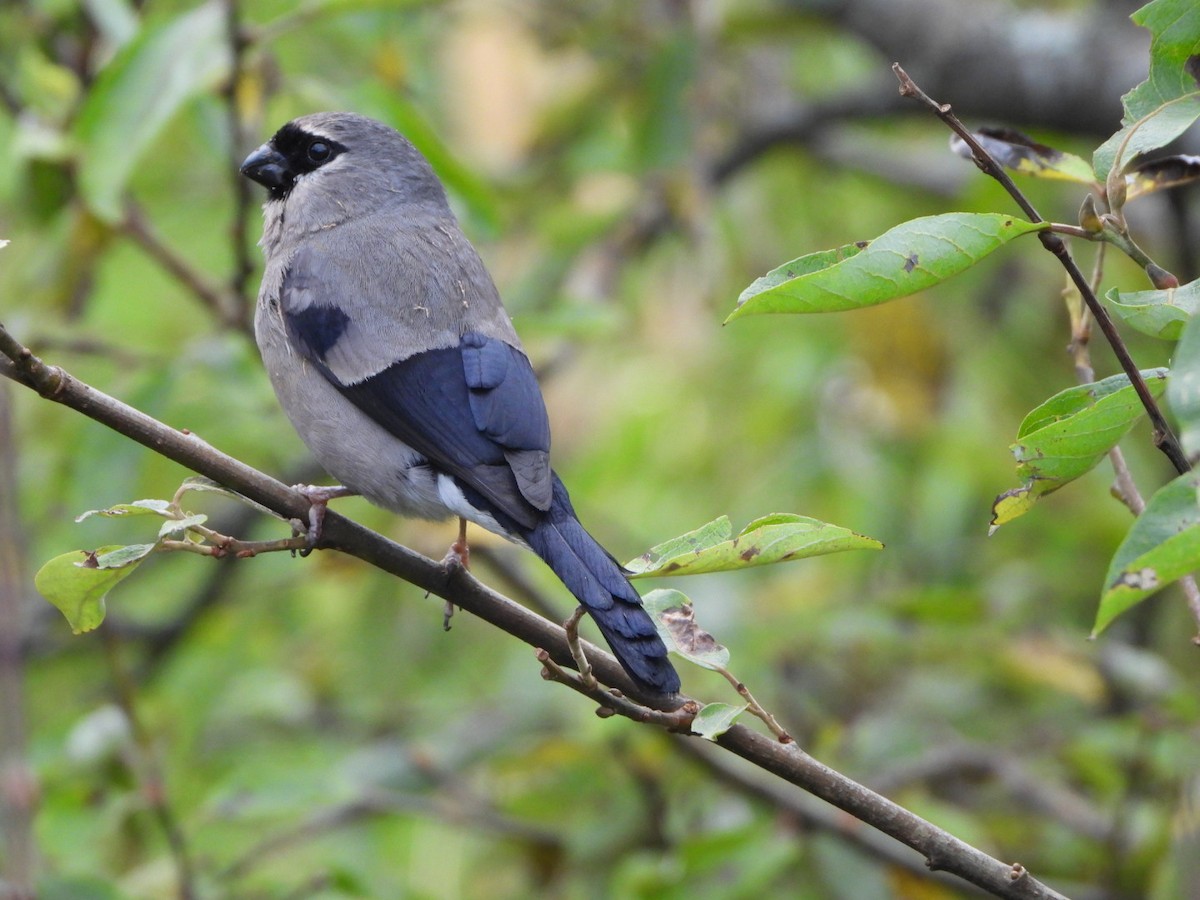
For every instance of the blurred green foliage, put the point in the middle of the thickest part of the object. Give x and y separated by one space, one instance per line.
317 732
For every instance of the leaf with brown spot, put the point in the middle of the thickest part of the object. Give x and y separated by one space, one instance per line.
770 539
1070 433
1162 546
945 244
675 619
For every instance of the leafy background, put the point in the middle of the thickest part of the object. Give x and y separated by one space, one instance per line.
305 728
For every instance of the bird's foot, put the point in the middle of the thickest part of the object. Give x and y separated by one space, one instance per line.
318 497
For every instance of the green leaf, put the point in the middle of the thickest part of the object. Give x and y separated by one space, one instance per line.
909 258
1023 154
77 582
1068 435
136 508
776 538
1162 546
714 719
138 92
122 555
1183 388
201 484
1160 314
804 265
1164 105
178 526
675 619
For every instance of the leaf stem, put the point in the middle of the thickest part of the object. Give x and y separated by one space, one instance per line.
755 708
581 661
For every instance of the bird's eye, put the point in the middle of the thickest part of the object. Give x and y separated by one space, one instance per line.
319 151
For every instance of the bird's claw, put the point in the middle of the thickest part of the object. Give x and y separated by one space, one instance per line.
318 497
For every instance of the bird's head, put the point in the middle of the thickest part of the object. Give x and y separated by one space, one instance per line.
335 165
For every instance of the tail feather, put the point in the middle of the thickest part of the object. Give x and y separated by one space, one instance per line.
597 581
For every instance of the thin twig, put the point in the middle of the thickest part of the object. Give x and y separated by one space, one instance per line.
755 708
472 813
137 228
145 768
614 702
1164 437
18 786
239 228
581 661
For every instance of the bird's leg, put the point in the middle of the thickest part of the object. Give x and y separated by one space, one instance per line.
318 497
459 555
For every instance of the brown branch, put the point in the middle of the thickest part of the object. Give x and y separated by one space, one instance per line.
1164 437
239 228
144 765
809 813
477 815
138 229
787 761
18 786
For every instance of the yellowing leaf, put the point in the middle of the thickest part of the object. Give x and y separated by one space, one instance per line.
1068 435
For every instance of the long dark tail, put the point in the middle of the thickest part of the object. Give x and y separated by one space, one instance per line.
597 581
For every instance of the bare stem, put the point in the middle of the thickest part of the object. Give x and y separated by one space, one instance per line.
145 768
756 708
581 661
1164 437
614 702
210 295
18 784
239 229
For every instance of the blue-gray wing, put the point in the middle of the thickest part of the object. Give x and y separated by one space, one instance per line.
473 410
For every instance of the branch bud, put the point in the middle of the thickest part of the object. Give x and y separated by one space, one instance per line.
1089 216
1160 277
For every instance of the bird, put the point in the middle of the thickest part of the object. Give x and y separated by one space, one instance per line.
385 340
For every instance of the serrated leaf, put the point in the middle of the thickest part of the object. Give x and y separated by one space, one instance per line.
138 92
1183 388
1022 153
1163 106
1160 314
1160 174
909 258
77 584
1162 546
675 620
714 719
136 508
178 526
781 537
1066 437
